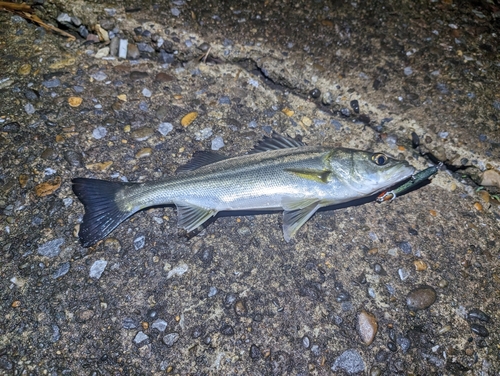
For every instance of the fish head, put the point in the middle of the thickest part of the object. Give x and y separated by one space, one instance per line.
368 173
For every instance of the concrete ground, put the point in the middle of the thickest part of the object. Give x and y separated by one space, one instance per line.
407 287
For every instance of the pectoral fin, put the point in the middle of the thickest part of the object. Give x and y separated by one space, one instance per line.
293 220
190 217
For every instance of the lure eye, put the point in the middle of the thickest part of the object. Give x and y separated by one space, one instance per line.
380 159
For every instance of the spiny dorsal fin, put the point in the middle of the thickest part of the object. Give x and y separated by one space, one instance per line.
275 142
320 176
200 159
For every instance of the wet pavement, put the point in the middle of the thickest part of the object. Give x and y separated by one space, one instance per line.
406 287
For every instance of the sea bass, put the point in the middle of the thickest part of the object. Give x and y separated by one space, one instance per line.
280 173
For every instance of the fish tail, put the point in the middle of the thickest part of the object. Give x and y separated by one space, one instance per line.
102 213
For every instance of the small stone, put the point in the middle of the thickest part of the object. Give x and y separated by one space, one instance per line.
217 143
129 323
408 71
405 247
306 121
327 99
170 339
188 118
164 77
23 180
306 342
403 274
102 34
51 248
123 49
478 206
345 112
421 298
420 265
392 346
175 12
97 269
102 52
315 93
255 352
288 112
227 330
99 76
480 330
61 270
178 271
63 17
240 308
139 242
355 106
367 327
165 128
160 325
350 361
99 132
142 134
103 166
49 187
224 100
491 178
75 101
11 127
133 52
114 46
140 337
404 343
146 92
29 108
143 153
477 314
74 158
24 69
204 134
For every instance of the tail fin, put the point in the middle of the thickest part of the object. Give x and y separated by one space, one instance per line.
102 214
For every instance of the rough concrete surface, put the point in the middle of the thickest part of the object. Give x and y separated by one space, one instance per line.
407 287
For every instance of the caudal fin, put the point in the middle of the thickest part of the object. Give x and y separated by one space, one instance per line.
102 214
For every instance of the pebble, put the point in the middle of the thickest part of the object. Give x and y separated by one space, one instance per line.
97 268
143 153
123 48
403 274
306 121
421 298
227 330
224 100
315 93
480 330
204 134
99 76
405 247
140 337
306 342
170 339
99 132
83 31
164 77
491 178
420 265
240 308
188 118
345 112
29 108
327 99
212 291
146 93
392 346
178 271
139 242
175 12
404 343
24 69
142 134
408 71
350 361
477 314
51 249
255 352
133 52
61 270
165 128
217 143
129 323
355 106
13 127
50 84
114 46
63 17
74 158
30 95
160 325
367 327
75 101
102 52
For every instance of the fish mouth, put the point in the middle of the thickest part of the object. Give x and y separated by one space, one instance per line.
397 175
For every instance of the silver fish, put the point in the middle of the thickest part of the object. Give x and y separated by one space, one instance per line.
280 173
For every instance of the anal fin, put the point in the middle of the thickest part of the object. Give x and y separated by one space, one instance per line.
190 217
293 220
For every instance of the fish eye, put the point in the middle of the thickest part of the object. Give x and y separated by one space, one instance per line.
380 159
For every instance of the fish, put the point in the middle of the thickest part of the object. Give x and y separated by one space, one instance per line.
415 180
280 173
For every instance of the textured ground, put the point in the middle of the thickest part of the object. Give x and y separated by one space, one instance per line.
419 276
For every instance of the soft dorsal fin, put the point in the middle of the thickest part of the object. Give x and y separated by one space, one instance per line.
200 159
275 142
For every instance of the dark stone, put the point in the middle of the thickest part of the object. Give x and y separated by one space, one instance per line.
227 330
11 127
392 346
355 106
477 314
480 330
138 75
345 112
74 158
415 140
255 352
197 332
365 119
315 93
405 247
206 256
404 343
421 298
